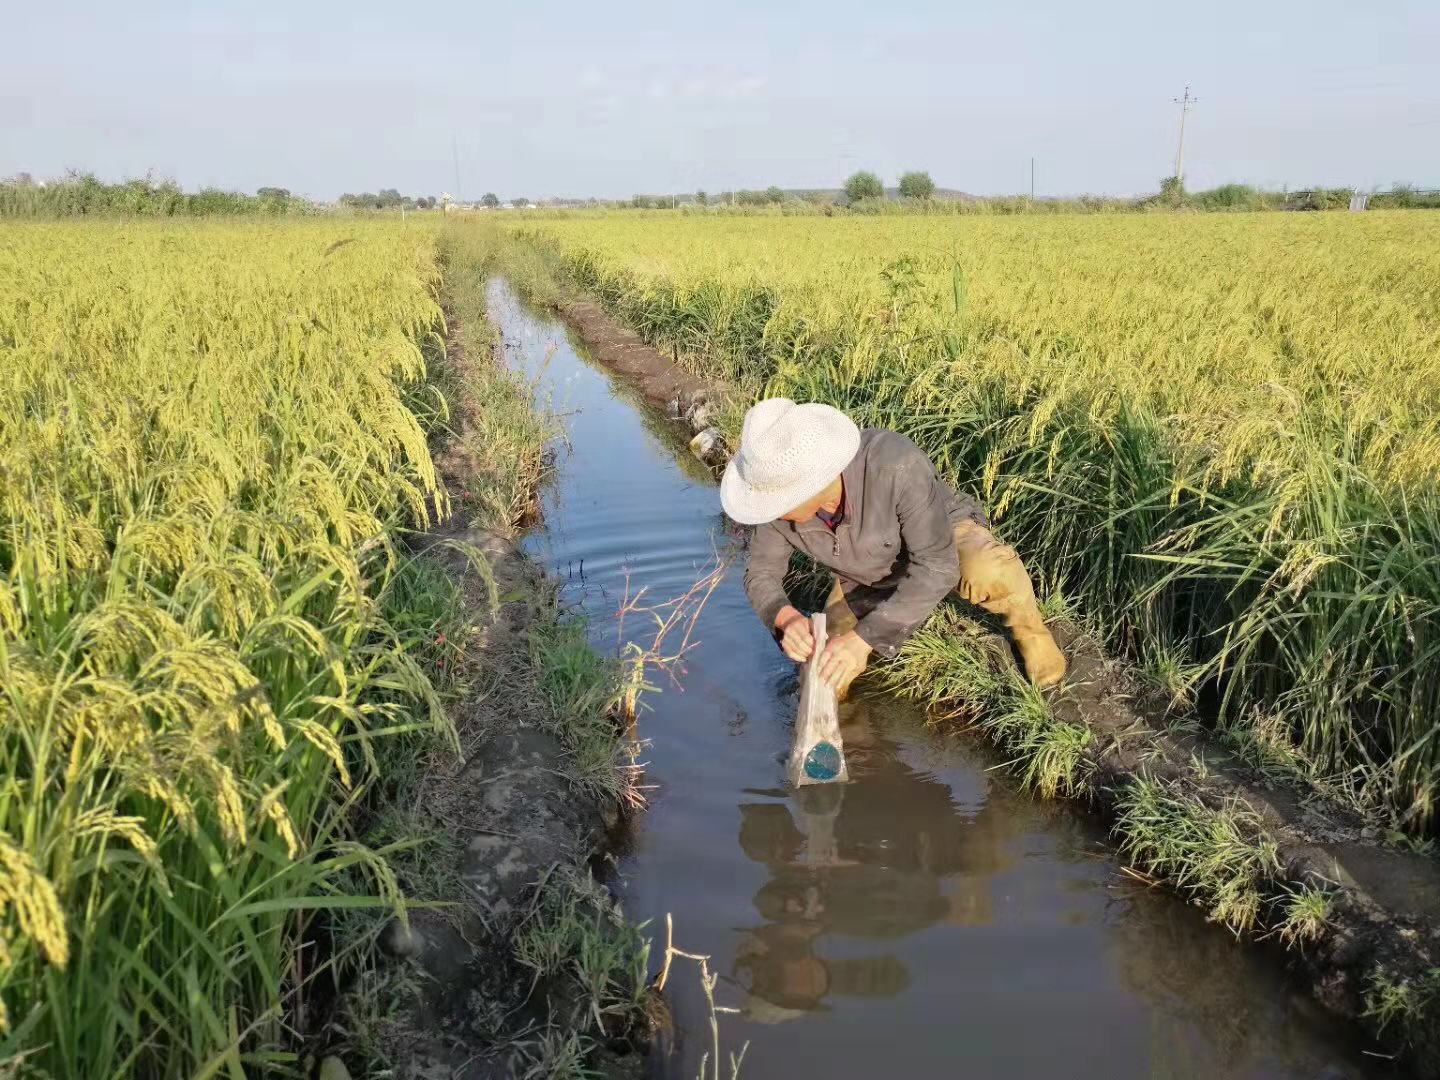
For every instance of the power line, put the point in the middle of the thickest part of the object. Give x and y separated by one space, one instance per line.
1184 103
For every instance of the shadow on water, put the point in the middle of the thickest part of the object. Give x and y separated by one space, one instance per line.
925 919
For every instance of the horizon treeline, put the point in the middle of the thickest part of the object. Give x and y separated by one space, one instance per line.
78 194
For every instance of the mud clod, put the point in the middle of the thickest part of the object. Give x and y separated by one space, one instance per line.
709 447
400 940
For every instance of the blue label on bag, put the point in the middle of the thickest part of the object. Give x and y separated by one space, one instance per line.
823 762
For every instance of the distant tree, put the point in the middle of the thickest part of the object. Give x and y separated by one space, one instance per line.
520 200
864 185
1229 197
774 194
1172 190
642 202
916 185
701 199
388 198
490 199
273 193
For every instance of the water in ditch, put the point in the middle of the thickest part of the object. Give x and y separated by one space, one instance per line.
926 919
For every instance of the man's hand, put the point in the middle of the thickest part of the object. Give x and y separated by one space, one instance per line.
796 638
844 658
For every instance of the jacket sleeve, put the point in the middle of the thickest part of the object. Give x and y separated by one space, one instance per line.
965 507
765 573
934 566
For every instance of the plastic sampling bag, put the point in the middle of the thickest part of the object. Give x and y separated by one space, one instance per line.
818 755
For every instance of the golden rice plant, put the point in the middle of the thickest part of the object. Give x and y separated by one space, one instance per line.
1220 432
208 433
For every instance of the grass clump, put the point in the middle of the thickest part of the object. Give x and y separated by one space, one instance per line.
1219 856
1266 743
1306 912
554 1053
959 671
589 961
1170 669
1049 752
1399 1002
583 691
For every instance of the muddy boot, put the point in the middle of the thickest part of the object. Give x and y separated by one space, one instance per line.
992 577
1044 662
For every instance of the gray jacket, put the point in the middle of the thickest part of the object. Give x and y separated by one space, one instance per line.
895 548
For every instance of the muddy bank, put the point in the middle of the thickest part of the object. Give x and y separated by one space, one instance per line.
690 402
526 829
1354 918
659 378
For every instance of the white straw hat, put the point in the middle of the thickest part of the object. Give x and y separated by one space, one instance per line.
788 453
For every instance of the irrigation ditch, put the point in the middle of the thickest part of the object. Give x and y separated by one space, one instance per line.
1351 915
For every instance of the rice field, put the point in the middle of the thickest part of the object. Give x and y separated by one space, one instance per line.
1217 438
209 434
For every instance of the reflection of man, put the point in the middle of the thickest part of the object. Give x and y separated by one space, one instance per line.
868 505
878 859
812 891
786 974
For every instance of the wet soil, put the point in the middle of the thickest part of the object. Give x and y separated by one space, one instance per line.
925 918
658 378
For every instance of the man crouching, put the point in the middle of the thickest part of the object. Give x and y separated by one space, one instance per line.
868 505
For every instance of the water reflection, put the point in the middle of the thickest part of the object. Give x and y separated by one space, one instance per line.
1200 1011
885 856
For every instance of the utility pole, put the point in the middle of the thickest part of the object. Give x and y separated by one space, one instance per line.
455 150
1184 103
1032 180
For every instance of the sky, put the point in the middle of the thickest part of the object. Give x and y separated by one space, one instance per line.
546 99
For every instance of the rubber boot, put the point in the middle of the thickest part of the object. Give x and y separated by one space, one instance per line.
992 577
